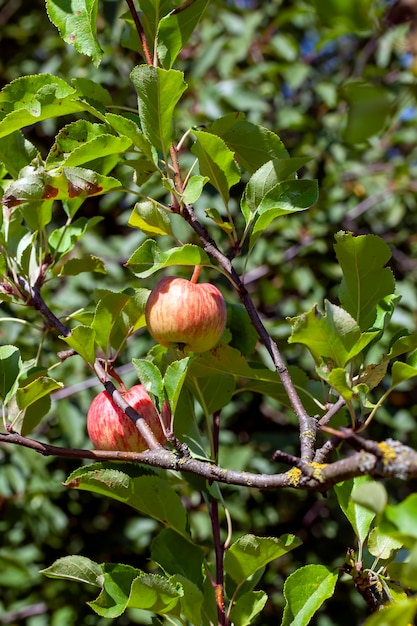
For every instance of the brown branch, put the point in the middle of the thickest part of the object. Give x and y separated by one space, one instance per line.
308 425
391 459
141 32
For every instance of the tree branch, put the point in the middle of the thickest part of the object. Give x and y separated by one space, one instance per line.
385 459
308 425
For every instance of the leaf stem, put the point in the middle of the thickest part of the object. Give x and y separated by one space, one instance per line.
141 32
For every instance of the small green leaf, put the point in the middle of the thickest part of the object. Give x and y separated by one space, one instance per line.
383 546
284 199
16 152
247 607
36 389
359 517
366 282
76 568
82 340
402 371
89 263
150 377
305 590
149 258
77 25
10 366
63 240
174 380
398 520
192 599
106 321
150 218
249 554
216 162
158 93
194 189
174 30
30 417
151 592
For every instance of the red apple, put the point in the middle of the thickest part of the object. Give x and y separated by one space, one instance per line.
110 429
183 314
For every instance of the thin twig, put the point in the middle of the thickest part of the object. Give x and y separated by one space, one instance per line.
141 33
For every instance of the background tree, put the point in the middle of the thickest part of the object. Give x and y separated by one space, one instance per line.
337 86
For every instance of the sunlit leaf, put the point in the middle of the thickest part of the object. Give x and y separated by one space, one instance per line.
305 590
77 25
75 568
149 258
359 517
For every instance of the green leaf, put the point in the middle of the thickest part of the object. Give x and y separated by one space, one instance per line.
10 366
401 613
36 389
402 371
359 517
174 380
149 258
150 377
212 392
150 218
370 107
150 495
81 142
194 189
192 600
128 128
89 263
82 340
216 162
77 25
249 554
76 568
127 587
30 99
334 336
35 184
16 152
365 279
284 199
158 93
252 144
370 494
247 607
398 520
175 29
30 417
383 546
177 555
63 240
107 318
305 590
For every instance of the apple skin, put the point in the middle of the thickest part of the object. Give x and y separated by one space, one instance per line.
186 315
110 429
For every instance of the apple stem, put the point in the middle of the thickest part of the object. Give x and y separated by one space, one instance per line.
196 273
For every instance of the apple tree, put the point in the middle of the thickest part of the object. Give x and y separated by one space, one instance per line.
201 194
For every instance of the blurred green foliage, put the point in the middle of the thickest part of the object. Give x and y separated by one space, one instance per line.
337 85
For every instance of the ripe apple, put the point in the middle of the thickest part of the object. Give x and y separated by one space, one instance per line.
110 429
182 314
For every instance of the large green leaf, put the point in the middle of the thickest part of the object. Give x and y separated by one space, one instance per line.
305 590
366 280
158 93
252 144
370 107
359 517
216 162
148 494
334 336
149 258
249 554
175 29
30 99
77 25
